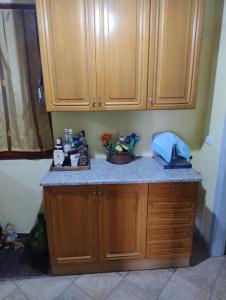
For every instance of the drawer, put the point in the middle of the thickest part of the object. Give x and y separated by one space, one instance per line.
170 221
170 205
173 189
182 235
168 250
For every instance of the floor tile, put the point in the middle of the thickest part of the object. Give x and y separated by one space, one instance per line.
213 297
224 262
98 286
70 277
73 292
73 277
123 274
44 288
128 290
6 287
204 274
151 280
180 289
16 295
220 287
20 282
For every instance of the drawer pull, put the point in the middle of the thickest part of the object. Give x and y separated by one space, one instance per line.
170 251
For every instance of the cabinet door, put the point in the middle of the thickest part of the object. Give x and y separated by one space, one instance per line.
122 221
173 60
66 31
71 214
122 34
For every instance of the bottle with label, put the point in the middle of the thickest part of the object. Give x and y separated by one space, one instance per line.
58 154
70 139
66 142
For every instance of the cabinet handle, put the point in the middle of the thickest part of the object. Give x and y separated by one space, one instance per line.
150 101
100 193
173 189
94 193
94 102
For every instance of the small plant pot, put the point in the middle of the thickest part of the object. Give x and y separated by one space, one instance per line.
120 158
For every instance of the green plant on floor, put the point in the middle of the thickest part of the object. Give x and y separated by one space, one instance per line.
38 236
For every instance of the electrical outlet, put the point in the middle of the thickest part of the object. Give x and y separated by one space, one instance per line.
209 140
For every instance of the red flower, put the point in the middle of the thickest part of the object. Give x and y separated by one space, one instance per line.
106 138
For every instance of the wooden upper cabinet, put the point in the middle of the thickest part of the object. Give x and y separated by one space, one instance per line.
174 53
67 42
119 54
122 37
71 214
122 221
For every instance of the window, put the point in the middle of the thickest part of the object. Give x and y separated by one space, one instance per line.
25 126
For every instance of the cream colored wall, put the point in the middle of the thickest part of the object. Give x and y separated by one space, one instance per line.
21 197
209 156
20 192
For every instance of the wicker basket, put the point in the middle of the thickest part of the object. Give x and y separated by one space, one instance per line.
120 158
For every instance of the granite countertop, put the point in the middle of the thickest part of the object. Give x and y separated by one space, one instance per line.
143 170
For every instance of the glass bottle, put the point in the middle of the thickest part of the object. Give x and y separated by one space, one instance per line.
66 141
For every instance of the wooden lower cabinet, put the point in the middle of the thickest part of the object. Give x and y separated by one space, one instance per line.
119 227
122 222
71 214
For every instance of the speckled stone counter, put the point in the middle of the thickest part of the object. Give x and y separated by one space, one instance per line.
143 170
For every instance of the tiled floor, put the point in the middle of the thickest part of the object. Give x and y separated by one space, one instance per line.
204 281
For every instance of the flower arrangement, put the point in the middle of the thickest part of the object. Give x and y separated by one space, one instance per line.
120 144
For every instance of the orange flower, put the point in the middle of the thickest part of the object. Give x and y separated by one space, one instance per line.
106 138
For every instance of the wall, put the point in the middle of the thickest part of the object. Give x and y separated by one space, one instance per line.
21 196
209 156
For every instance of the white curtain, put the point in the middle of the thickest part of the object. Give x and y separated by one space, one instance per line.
24 123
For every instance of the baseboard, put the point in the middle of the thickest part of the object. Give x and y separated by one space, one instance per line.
198 235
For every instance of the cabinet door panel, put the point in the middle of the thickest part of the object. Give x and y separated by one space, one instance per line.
122 53
72 224
122 221
177 52
68 53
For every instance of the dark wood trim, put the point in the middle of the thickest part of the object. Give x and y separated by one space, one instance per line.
10 155
16 6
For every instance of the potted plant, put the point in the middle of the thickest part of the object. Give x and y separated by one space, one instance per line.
119 150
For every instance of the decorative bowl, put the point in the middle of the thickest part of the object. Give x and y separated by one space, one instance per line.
120 158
